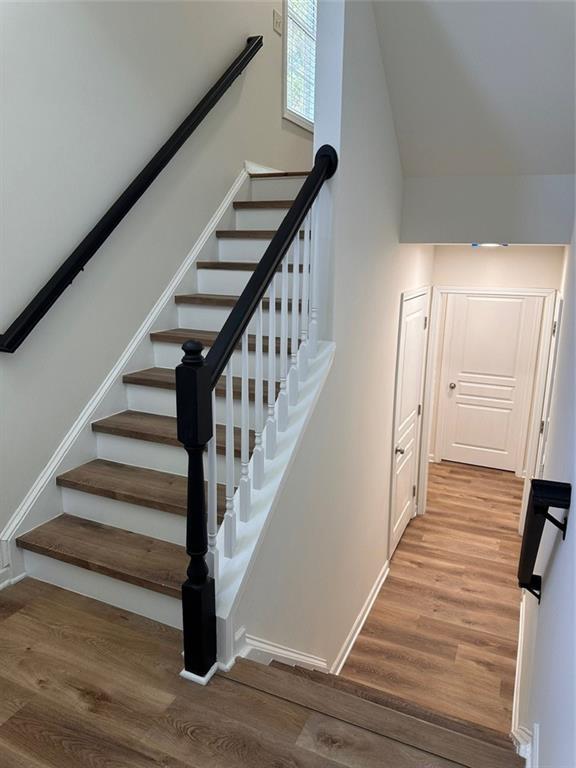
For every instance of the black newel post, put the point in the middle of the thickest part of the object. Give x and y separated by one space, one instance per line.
194 416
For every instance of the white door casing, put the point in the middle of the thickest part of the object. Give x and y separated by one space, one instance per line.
410 370
487 376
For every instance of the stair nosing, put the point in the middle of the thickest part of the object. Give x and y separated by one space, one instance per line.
238 266
138 379
382 698
105 426
223 300
66 480
169 336
26 541
277 174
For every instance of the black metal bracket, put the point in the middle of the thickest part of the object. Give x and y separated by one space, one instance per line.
562 526
543 495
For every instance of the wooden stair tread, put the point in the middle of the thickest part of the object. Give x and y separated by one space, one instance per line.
277 174
221 300
401 705
165 378
150 563
458 747
155 428
241 205
134 485
248 234
238 266
180 335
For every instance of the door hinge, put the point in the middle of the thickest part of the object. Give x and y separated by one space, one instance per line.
554 327
414 491
425 322
541 427
419 409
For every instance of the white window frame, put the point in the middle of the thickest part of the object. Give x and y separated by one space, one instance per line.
287 113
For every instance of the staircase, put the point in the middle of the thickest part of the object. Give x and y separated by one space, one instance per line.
119 535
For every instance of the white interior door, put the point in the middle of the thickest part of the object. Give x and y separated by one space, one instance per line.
488 367
410 368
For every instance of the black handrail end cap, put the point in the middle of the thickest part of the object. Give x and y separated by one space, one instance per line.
255 39
328 151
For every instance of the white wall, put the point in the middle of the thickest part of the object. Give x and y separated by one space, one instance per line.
89 92
327 540
512 267
488 209
554 673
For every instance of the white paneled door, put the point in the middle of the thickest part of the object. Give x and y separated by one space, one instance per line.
410 368
488 366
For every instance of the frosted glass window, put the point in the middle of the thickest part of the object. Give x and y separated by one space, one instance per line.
300 48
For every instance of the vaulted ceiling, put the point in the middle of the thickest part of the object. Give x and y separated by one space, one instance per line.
481 87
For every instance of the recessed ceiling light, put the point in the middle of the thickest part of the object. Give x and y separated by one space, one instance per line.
489 245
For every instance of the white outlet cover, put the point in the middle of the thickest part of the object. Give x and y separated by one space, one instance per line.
277 21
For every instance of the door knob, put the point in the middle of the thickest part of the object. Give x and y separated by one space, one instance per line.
452 385
399 450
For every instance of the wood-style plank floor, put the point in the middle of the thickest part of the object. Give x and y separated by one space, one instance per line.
85 685
443 631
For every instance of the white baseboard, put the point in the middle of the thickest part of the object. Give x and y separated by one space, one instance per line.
261 650
6 579
47 475
522 738
360 619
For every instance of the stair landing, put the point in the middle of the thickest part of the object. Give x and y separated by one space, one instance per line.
85 684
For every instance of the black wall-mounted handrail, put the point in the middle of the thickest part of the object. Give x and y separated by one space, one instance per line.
81 255
543 495
196 377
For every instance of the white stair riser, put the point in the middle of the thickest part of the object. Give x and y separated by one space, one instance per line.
130 517
229 282
170 355
212 318
277 188
163 401
128 597
260 218
241 249
164 458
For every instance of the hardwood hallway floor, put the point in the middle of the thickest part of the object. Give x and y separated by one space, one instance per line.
85 685
443 631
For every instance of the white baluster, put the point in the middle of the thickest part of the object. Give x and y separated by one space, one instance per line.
230 514
212 502
293 372
258 455
314 286
283 395
271 419
305 309
244 437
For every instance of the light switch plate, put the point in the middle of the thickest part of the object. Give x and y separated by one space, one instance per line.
277 22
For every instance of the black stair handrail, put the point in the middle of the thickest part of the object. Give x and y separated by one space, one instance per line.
543 495
325 164
29 318
196 377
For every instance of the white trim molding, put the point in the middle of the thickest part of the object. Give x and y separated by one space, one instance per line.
344 652
264 651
